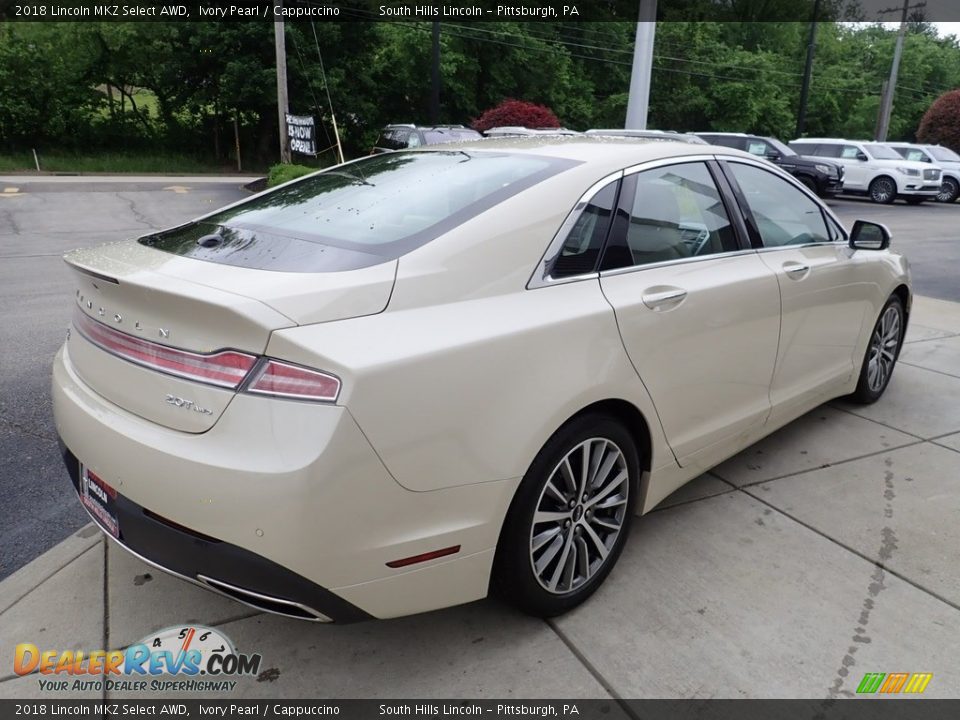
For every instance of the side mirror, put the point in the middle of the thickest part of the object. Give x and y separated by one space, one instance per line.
862 156
868 235
772 155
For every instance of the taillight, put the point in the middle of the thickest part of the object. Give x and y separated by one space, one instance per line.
292 381
226 368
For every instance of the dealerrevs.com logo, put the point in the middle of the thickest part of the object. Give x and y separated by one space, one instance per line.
201 659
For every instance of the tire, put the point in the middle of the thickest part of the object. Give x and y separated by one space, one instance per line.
915 200
809 183
883 349
883 190
550 565
949 191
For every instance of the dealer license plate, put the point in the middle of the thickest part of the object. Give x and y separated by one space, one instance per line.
100 500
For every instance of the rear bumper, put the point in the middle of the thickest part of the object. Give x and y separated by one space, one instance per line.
285 500
220 566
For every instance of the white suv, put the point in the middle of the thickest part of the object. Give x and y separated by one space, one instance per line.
946 158
875 169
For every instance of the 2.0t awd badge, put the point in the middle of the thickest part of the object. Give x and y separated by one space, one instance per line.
187 404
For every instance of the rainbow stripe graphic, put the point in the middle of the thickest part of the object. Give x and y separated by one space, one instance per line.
893 683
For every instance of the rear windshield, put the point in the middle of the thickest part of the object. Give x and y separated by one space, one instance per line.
359 214
435 137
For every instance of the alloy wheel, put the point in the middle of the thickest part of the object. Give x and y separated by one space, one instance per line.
579 515
948 191
882 190
883 349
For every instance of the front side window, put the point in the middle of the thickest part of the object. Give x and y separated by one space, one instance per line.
674 212
758 147
881 152
358 214
784 215
849 152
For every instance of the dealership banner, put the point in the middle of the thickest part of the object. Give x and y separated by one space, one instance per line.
457 11
302 132
827 709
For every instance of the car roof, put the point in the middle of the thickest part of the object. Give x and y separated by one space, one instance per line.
609 153
828 141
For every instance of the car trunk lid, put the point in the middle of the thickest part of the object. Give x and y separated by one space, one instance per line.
145 320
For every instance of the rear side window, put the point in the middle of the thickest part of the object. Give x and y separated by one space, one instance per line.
833 151
675 212
359 214
581 248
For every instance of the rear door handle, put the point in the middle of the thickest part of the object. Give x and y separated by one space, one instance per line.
655 300
796 271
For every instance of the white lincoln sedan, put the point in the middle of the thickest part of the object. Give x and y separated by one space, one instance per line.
413 379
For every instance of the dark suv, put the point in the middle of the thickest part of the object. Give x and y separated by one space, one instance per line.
822 177
400 137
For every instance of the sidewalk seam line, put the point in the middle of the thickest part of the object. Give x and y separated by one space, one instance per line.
922 367
47 577
854 551
614 695
932 339
882 424
825 466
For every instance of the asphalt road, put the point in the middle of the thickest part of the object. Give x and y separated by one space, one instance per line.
42 219
928 234
38 223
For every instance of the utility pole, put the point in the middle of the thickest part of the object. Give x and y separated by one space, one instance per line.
638 103
280 43
886 102
435 76
807 72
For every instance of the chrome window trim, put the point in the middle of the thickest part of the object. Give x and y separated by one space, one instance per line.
540 277
678 261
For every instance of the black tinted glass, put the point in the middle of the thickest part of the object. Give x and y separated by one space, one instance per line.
358 214
581 249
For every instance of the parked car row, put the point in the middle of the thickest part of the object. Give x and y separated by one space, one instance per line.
883 172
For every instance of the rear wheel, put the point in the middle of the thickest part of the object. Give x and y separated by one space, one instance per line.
883 190
949 191
570 517
882 352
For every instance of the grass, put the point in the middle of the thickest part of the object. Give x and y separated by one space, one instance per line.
284 173
110 162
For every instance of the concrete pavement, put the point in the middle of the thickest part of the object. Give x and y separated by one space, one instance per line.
824 552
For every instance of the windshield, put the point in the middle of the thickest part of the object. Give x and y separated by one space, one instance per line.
942 153
784 149
435 137
358 214
882 152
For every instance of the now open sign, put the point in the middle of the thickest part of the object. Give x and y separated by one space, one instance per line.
301 131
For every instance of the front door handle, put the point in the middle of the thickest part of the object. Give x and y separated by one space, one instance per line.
656 300
796 271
